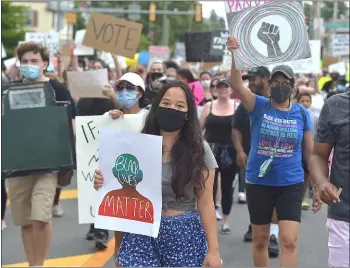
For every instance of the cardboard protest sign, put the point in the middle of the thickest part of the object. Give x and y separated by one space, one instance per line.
305 66
130 199
87 138
88 84
118 36
269 32
158 53
197 47
80 49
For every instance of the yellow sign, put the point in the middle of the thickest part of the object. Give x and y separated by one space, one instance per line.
71 17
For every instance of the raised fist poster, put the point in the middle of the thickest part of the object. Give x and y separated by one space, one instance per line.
130 199
268 32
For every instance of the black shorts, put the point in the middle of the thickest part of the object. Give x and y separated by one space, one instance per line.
262 200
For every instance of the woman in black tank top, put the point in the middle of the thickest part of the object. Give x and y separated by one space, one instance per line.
216 119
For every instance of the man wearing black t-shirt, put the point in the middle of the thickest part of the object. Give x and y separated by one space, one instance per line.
259 84
32 195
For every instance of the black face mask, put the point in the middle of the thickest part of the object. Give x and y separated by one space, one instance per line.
155 76
169 120
281 93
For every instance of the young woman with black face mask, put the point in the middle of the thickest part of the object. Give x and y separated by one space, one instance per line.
280 133
187 235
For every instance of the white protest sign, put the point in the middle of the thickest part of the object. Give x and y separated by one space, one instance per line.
339 67
131 197
340 45
88 84
269 32
3 51
11 62
87 136
158 53
80 49
312 65
49 40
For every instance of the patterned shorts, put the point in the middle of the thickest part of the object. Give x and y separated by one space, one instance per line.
181 243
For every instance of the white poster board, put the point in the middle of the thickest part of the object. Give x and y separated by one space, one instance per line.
80 49
87 136
88 84
339 67
340 45
130 199
158 53
269 32
312 65
49 40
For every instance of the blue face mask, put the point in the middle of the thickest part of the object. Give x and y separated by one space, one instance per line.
30 71
340 88
127 98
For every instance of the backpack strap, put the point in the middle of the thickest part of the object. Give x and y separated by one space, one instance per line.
303 115
253 121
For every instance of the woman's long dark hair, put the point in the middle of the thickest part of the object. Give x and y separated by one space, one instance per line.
187 154
186 73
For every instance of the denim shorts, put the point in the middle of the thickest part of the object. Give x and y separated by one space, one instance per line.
181 243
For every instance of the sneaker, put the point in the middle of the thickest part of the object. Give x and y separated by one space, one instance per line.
90 235
242 199
305 205
218 214
57 211
225 229
248 236
274 247
101 241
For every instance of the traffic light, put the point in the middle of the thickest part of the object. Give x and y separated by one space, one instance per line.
307 22
152 12
198 10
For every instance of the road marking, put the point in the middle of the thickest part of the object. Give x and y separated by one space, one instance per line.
65 195
70 261
98 259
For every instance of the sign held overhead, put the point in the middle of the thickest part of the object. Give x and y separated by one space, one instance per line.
118 36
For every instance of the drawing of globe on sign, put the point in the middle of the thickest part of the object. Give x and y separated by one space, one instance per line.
268 32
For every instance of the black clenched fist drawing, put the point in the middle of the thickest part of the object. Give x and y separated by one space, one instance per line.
270 35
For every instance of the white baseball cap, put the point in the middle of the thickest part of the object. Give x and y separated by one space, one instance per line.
132 78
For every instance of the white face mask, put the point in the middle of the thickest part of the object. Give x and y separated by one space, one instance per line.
205 83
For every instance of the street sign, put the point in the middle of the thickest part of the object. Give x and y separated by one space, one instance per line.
337 25
71 18
134 16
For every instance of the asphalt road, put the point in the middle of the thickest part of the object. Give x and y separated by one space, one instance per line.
69 247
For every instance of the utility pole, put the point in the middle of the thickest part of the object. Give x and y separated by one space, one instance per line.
317 27
59 16
335 11
165 27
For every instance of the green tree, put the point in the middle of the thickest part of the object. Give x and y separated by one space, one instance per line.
327 10
13 26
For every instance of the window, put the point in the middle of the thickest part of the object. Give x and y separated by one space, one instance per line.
32 18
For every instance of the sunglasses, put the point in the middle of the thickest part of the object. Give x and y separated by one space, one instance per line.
125 85
284 83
